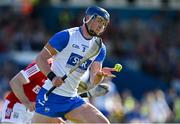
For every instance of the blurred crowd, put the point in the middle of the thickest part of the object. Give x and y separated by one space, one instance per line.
155 106
151 46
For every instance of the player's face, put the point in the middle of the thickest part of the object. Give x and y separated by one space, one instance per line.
99 25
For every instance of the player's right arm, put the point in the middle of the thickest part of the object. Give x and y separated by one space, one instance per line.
16 84
55 45
42 61
47 52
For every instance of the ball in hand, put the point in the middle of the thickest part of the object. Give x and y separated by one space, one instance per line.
118 67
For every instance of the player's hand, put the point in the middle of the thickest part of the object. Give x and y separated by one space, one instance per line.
57 81
30 106
106 72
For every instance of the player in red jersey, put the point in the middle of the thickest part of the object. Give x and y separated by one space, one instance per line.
19 105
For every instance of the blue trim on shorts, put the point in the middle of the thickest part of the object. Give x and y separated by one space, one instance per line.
56 105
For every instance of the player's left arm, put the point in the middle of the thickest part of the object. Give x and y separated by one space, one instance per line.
97 73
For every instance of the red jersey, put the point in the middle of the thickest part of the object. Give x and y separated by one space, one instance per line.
35 80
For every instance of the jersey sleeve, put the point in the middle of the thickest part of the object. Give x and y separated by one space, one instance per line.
30 72
102 54
60 40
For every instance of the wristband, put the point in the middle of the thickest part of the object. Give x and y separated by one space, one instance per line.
51 75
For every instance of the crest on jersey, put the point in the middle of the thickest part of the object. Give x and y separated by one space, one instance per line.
74 59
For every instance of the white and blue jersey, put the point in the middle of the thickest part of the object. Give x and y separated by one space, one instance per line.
71 46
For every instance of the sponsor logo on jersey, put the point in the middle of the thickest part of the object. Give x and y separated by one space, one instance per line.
74 59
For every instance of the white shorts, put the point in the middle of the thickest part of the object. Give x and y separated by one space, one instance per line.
18 114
